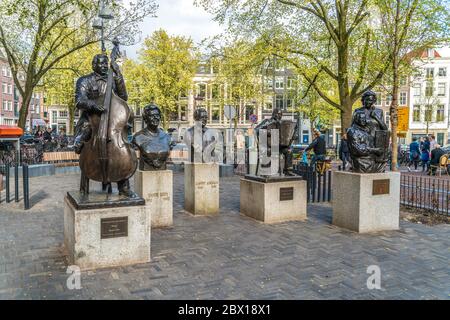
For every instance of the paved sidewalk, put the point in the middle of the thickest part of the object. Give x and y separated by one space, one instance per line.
225 257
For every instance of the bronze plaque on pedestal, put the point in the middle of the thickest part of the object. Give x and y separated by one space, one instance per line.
380 187
286 194
114 227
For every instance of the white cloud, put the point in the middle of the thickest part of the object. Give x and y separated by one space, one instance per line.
178 17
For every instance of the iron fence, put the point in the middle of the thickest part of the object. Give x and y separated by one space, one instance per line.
428 193
318 186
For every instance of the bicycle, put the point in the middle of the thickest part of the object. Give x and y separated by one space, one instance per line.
323 166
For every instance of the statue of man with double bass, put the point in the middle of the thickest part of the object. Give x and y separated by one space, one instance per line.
90 94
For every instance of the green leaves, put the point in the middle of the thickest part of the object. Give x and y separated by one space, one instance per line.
165 70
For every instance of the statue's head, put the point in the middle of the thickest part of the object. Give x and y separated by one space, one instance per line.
368 98
201 114
277 114
152 116
360 119
100 64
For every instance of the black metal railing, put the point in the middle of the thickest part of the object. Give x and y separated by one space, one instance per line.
318 186
427 193
6 171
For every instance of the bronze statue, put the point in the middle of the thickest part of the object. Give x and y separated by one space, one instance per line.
368 137
287 130
101 133
153 143
207 137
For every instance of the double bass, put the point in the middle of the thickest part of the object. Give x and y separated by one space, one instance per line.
107 156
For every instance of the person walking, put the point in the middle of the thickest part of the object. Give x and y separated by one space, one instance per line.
425 156
414 153
344 153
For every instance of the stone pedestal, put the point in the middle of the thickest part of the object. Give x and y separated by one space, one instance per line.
155 187
274 201
201 188
106 237
366 202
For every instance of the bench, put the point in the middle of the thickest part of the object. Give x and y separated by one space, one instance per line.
62 158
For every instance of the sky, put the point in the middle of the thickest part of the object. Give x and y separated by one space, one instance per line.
178 17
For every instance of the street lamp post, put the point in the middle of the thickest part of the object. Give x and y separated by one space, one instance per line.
98 23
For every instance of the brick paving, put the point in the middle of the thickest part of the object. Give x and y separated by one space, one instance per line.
225 257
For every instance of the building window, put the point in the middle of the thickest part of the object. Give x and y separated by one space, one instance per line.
279 101
269 83
417 89
403 98
403 81
203 68
440 138
429 73
441 89
442 72
201 90
416 113
388 99
54 116
63 114
279 83
32 107
215 91
268 106
305 136
10 89
290 82
5 88
440 113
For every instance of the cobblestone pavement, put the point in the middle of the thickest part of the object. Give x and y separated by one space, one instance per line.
225 257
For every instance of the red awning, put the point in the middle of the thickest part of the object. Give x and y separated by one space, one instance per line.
10 131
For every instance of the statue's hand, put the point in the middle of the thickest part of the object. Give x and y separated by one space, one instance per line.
98 109
116 68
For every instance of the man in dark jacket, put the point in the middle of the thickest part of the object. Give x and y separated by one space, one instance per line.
318 146
344 153
436 155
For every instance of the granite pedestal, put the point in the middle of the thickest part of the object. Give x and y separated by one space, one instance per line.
366 202
156 188
272 200
113 233
201 188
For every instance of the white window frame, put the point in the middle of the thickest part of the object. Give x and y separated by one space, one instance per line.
444 91
403 96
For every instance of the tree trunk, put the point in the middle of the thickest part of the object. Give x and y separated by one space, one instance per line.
23 112
394 118
346 117
344 93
